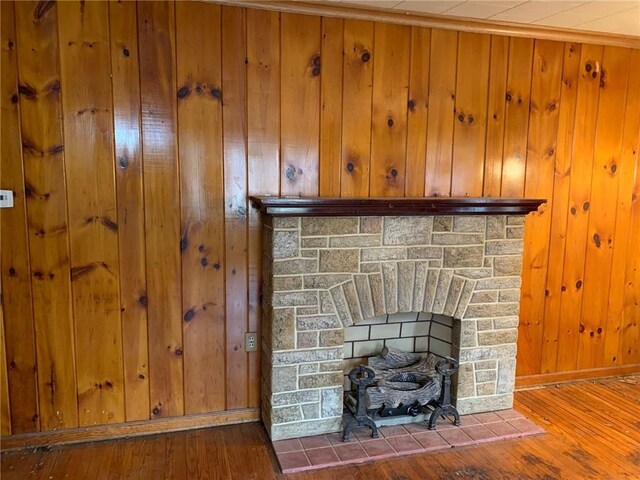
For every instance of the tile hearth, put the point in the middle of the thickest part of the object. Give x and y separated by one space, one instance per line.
321 451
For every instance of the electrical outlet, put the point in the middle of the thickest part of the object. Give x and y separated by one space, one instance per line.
6 198
251 341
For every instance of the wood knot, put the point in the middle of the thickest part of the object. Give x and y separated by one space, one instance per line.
178 352
585 206
470 119
411 105
365 57
581 328
155 411
216 93
290 173
12 272
201 248
579 284
143 300
550 152
184 244
204 262
123 163
614 167
216 266
14 98
350 167
141 376
198 89
599 330
125 52
189 314
394 172
390 122
316 61
183 92
461 118
596 240
588 66
508 97
315 72
563 288
551 107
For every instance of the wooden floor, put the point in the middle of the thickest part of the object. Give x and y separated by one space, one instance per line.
593 432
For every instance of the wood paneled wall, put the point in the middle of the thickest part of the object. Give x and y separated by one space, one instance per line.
133 133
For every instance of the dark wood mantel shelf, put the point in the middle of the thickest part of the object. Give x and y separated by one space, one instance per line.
392 206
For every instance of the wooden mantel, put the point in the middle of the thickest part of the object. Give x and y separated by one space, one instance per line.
380 206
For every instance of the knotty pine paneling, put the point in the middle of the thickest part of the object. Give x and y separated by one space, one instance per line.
133 133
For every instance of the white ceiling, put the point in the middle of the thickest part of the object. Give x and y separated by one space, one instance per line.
612 16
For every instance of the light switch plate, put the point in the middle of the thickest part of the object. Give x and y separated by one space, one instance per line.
6 198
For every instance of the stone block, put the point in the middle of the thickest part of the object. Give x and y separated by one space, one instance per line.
294 398
498 283
307 368
388 253
458 239
487 353
419 286
348 350
355 333
389 330
285 222
473 273
442 224
286 243
332 261
377 293
306 356
283 284
506 375
490 310
507 266
371 225
515 232
291 299
317 226
424 253
342 308
442 332
303 311
331 402
331 338
465 296
465 334
498 337
487 296
351 296
506 322
407 230
402 344
455 290
485 389
484 404
456 257
509 295
515 220
430 289
495 227
295 266
369 267
311 411
320 380
435 263
318 322
314 242
442 291
326 303
325 281
485 324
355 241
331 366
368 348
484 376
309 253
305 429
286 414
469 224
390 281
464 381
486 365
406 281
503 247
363 290
284 379
283 329
415 329
307 339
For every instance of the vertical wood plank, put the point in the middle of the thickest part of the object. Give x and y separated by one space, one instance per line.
621 341
614 75
442 86
496 107
199 74
43 153
156 36
356 108
331 102
5 410
263 152
514 156
470 122
541 155
579 198
20 380
418 110
560 208
300 104
125 82
93 221
234 76
389 120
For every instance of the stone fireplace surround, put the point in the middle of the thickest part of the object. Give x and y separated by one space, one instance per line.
332 263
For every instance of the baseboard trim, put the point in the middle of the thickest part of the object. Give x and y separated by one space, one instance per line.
125 430
527 381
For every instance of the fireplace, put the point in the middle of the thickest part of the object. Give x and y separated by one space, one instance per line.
333 265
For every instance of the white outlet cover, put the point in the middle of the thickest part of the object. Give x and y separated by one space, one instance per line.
6 198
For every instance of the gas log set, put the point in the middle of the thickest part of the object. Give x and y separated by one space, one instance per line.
399 384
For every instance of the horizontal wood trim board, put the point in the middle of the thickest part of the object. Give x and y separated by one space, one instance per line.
131 429
442 22
342 207
565 377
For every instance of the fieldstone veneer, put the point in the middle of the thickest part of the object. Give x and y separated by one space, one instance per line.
322 274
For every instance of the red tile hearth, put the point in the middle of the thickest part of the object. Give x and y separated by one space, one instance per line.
323 451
